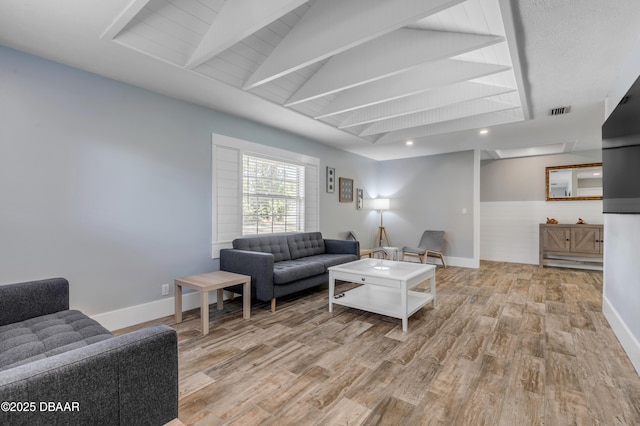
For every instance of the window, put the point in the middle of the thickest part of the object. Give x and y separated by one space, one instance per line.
272 196
260 189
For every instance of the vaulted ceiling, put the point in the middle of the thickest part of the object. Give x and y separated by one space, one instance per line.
362 75
384 71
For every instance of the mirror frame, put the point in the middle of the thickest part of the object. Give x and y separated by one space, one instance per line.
574 166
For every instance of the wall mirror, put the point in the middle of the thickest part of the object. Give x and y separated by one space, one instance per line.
575 182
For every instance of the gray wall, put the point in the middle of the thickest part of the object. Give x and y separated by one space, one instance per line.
523 179
430 193
109 185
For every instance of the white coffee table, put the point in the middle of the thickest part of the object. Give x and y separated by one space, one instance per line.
386 288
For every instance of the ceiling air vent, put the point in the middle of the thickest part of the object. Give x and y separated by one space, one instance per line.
560 110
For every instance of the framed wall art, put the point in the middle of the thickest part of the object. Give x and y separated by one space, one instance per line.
346 190
331 180
359 198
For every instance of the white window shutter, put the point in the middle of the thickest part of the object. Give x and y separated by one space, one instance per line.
226 173
227 197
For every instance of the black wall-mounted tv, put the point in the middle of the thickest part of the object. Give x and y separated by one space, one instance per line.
621 156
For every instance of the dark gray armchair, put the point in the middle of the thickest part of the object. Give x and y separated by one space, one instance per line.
431 245
52 355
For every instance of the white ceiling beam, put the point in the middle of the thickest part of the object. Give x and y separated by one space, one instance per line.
437 115
461 124
384 56
417 80
123 19
333 26
430 99
237 20
512 36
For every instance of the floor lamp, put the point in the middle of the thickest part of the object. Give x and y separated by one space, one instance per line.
381 204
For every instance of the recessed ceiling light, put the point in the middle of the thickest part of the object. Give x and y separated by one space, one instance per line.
484 131
408 143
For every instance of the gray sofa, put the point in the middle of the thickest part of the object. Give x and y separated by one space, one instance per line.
60 367
282 264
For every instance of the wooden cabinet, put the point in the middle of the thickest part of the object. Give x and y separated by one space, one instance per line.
573 246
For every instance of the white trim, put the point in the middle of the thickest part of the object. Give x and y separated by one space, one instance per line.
476 209
264 150
221 236
217 246
134 315
463 262
622 332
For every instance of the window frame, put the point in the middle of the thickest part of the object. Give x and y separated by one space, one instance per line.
298 199
226 196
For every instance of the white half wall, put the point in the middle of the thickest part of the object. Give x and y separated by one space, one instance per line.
509 230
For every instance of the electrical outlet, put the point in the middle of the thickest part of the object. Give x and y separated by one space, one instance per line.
165 289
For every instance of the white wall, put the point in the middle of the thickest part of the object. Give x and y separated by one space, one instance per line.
510 229
621 299
109 185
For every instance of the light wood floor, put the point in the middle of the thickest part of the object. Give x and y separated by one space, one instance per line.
508 344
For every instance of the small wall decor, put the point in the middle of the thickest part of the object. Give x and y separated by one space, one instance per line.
346 190
359 198
331 180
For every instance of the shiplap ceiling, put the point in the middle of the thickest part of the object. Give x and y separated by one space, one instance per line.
383 71
361 75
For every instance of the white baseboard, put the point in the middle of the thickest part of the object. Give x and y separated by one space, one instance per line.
463 262
622 332
133 315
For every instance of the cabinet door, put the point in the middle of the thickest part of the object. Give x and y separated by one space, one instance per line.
585 240
601 242
556 239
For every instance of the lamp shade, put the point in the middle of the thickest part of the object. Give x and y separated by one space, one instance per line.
380 204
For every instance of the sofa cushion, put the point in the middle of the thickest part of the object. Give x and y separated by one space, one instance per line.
47 335
274 244
329 260
305 244
292 270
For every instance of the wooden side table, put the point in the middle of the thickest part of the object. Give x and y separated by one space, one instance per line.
371 253
366 252
212 281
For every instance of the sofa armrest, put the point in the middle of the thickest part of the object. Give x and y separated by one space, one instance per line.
19 302
342 247
125 380
256 264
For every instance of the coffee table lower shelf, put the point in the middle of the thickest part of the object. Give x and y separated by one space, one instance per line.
383 300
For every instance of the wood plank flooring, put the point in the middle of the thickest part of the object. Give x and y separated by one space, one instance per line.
507 344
